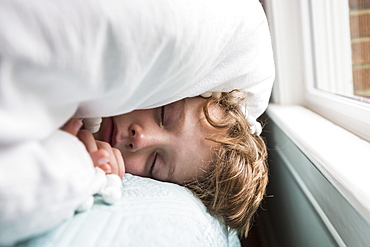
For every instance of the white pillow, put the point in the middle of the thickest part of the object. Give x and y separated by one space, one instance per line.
150 213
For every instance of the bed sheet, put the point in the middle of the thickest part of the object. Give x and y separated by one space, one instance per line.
150 213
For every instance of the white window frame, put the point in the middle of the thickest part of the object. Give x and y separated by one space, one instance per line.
295 78
334 34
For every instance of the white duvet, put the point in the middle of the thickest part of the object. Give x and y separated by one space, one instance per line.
93 58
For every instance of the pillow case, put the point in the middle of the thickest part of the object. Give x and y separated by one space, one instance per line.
150 213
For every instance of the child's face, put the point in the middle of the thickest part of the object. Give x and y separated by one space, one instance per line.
167 143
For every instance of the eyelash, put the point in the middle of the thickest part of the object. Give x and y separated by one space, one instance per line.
156 154
162 115
153 165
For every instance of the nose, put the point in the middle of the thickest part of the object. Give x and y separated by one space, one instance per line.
140 138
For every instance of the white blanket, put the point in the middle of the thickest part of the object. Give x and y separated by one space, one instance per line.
137 54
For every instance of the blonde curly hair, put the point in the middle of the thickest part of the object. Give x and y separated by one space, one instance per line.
235 183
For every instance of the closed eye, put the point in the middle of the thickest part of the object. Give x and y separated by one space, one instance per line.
153 165
162 115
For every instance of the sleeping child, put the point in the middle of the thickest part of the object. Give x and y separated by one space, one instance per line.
206 145
146 63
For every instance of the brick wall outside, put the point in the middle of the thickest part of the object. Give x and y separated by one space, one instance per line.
360 39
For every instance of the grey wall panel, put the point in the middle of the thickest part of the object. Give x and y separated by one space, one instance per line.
304 208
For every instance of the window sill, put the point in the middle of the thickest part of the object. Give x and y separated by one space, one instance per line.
338 154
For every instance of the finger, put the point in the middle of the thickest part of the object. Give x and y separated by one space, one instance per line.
101 159
112 157
72 126
120 162
106 168
88 140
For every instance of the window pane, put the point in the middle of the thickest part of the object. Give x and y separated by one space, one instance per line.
360 42
341 44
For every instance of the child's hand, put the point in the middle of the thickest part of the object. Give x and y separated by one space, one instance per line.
103 155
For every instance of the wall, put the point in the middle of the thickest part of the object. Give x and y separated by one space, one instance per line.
302 207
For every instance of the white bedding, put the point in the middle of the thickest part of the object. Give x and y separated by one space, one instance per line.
150 213
102 58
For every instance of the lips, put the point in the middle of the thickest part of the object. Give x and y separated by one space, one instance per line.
108 131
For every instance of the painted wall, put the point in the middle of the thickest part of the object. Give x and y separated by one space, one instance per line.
302 208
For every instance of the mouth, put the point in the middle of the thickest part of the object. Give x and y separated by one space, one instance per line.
108 131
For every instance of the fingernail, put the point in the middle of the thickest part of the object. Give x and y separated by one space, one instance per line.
102 161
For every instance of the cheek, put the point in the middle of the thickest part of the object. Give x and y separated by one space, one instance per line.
134 164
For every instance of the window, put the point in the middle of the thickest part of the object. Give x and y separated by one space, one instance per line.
341 46
322 56
359 14
337 89
331 45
